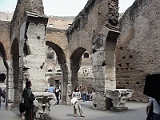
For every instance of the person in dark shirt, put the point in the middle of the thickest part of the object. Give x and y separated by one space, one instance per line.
28 101
0 96
57 92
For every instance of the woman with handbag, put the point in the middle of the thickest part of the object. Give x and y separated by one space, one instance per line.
153 109
76 104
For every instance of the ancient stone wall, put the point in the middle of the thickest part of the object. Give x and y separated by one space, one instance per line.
5 37
81 30
6 16
57 40
60 22
95 30
138 46
27 34
57 37
19 17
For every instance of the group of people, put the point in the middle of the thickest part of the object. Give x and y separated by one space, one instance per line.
29 97
56 90
76 97
86 96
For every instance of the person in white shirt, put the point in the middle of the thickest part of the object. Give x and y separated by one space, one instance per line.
156 108
77 106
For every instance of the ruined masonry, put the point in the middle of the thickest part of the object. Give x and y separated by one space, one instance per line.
122 51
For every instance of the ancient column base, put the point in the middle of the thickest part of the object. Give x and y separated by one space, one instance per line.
9 106
119 109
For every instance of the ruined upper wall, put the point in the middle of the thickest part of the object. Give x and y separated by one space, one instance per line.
5 37
60 22
96 15
138 46
59 39
107 14
6 16
136 9
142 21
33 6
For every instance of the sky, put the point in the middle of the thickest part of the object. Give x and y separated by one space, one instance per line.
61 7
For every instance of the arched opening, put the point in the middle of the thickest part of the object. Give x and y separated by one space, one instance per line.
63 75
86 55
49 70
2 78
15 65
75 65
3 70
50 55
81 69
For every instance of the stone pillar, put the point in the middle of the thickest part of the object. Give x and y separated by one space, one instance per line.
65 84
99 83
99 71
10 87
74 76
110 60
103 61
33 62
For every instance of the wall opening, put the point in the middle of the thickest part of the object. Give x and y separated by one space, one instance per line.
86 55
2 78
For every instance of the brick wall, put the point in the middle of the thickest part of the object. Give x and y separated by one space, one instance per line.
5 37
138 47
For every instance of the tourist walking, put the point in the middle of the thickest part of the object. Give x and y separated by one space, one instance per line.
84 93
57 93
76 96
28 101
51 89
1 95
4 95
154 105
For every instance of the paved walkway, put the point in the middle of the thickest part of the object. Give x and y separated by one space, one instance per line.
62 112
9 115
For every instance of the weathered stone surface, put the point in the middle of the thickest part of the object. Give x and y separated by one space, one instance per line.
99 101
119 97
5 39
43 101
96 25
33 62
95 30
138 46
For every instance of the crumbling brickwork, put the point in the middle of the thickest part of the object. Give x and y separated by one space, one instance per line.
95 30
6 16
5 37
60 22
137 50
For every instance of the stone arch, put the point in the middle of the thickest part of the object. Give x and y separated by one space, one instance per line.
16 87
62 62
75 65
3 53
